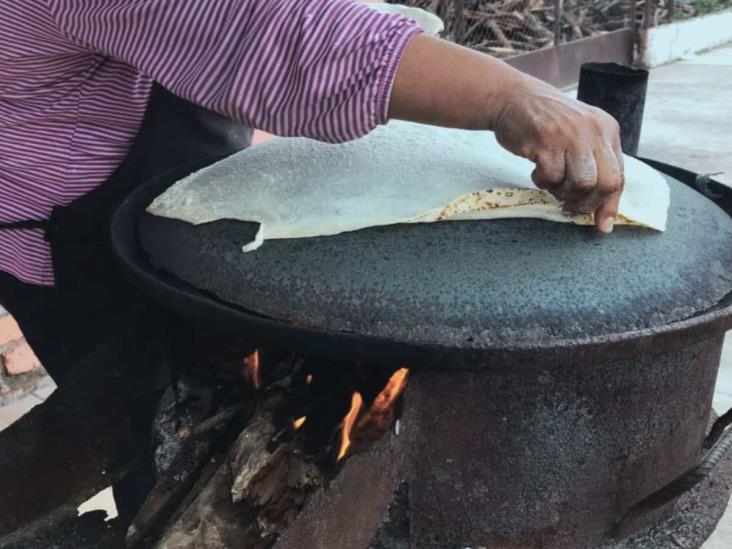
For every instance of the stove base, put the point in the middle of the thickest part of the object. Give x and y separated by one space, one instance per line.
691 519
684 524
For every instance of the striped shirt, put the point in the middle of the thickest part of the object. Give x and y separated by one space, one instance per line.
76 76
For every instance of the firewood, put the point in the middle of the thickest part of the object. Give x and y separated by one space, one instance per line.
258 480
281 487
254 494
211 519
172 486
274 483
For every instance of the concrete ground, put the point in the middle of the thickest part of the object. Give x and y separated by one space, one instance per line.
688 123
688 114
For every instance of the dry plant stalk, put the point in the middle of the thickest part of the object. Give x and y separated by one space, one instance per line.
508 27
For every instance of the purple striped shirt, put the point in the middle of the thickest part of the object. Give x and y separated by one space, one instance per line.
76 75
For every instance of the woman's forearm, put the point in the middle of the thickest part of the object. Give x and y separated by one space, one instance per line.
444 84
576 147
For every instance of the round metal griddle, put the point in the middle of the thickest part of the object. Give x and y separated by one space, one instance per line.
449 295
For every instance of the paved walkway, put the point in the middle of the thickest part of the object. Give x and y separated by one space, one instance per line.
688 115
13 409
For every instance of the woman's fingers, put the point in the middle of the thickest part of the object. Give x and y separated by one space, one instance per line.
586 182
580 183
606 213
612 161
550 170
598 183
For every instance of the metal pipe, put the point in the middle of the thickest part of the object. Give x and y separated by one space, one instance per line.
458 25
558 13
648 14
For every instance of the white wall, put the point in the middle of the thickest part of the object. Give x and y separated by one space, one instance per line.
676 40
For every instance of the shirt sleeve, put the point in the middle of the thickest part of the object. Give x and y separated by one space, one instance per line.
317 68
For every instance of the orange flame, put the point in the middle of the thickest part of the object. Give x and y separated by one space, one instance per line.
380 414
391 391
298 422
251 364
348 421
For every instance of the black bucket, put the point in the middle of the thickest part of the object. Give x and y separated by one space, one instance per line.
620 91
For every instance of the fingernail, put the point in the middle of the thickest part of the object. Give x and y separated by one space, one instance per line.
607 225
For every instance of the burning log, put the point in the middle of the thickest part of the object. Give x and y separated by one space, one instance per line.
253 493
176 483
245 468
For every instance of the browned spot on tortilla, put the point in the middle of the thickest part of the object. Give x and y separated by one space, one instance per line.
622 220
494 199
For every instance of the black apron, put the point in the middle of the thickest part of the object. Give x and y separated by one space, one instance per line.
92 303
91 299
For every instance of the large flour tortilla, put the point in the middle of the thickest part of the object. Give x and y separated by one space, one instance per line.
399 173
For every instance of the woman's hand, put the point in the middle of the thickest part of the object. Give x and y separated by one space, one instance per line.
576 147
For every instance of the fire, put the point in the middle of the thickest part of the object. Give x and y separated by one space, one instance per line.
391 391
377 419
348 421
251 365
298 422
380 415
309 379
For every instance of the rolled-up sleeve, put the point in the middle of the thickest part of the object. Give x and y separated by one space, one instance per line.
316 68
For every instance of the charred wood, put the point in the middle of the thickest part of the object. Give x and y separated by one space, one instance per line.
253 494
239 470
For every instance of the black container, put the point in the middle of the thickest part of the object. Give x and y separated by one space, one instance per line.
620 91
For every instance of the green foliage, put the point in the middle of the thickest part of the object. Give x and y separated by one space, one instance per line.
708 6
700 7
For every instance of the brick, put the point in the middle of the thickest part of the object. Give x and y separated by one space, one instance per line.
9 330
20 359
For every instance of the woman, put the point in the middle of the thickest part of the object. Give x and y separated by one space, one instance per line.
97 96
